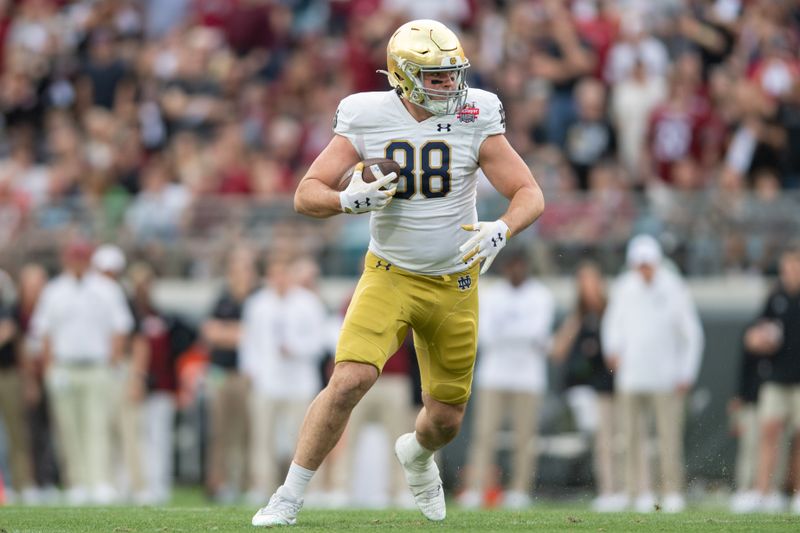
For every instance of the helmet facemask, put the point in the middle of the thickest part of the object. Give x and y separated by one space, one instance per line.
438 101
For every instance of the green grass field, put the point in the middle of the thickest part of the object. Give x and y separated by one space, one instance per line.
229 519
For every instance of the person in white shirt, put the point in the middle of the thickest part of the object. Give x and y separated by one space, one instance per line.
653 341
128 394
516 323
284 335
82 319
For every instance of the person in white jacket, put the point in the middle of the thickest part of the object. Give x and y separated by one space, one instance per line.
284 335
516 324
653 340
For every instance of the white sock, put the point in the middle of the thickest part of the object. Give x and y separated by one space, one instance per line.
297 479
421 454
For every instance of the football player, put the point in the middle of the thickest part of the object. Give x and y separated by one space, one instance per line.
425 252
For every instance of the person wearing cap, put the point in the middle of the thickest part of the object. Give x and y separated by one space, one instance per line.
129 391
109 260
653 341
82 319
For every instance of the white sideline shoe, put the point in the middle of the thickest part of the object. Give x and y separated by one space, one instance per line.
674 503
281 510
516 500
774 503
795 508
103 495
746 502
610 503
470 499
424 481
77 496
644 503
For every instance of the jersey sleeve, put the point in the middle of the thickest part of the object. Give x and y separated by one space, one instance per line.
344 121
350 123
494 117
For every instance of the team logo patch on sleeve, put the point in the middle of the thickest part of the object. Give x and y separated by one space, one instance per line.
468 113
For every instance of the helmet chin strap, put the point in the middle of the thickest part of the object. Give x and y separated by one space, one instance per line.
438 107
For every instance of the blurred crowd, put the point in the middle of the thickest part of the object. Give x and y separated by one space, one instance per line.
106 397
676 117
98 381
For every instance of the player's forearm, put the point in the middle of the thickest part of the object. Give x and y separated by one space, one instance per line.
525 207
315 199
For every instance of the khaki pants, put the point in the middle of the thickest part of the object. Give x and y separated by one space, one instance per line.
388 403
79 401
12 413
159 410
777 401
607 459
491 406
669 418
127 435
228 429
747 450
271 418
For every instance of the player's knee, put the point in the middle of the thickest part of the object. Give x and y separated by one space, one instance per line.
349 383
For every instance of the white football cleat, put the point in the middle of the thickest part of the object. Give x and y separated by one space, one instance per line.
423 480
281 510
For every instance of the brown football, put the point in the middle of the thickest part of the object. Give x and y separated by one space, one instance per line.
386 165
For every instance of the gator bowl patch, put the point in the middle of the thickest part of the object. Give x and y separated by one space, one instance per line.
468 113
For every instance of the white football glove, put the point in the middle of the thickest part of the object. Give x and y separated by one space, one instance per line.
485 244
360 197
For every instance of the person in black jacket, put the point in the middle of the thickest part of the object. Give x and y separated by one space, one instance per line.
13 380
159 340
776 335
227 387
743 410
577 346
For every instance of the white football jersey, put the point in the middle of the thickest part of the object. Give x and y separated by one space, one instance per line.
420 230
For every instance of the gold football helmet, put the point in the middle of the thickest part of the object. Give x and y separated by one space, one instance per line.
422 46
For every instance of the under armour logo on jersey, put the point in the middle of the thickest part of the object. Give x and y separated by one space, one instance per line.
444 127
464 282
381 264
359 203
497 239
